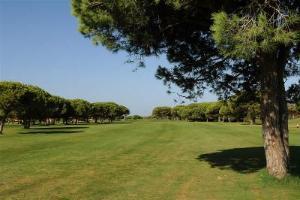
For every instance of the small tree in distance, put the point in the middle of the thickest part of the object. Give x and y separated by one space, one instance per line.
162 112
10 95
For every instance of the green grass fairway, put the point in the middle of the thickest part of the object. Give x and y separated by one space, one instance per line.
142 160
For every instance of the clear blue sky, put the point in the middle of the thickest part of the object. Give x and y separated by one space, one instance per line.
40 45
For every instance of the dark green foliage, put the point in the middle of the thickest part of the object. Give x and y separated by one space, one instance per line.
29 104
122 111
293 93
196 112
226 112
81 109
134 117
54 109
185 32
234 109
179 112
33 105
212 111
67 111
99 111
245 105
163 112
11 93
108 111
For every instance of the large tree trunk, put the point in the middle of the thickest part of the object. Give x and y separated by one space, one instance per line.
26 124
1 126
274 114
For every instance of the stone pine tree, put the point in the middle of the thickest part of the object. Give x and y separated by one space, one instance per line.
227 45
293 93
11 94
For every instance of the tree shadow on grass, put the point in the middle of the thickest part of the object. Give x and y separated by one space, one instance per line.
247 160
54 130
51 132
59 127
116 122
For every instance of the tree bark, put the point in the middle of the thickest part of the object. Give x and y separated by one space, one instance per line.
274 115
252 121
65 121
26 124
2 122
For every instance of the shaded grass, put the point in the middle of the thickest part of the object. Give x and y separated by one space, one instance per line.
58 127
247 160
141 160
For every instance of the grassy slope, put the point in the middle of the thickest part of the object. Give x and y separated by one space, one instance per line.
141 160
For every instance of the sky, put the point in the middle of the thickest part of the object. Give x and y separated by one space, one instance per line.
40 45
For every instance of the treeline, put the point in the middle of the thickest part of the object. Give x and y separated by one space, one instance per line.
30 104
208 111
234 109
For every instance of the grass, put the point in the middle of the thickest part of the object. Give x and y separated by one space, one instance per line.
142 160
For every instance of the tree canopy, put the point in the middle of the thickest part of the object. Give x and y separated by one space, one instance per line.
188 31
11 93
230 46
28 103
293 93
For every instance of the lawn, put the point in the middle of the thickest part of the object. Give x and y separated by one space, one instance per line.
142 160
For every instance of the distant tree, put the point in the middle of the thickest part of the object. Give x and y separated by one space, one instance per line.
33 105
162 112
122 111
178 112
253 111
11 94
225 112
197 111
97 110
54 108
186 113
293 110
116 111
81 109
136 117
293 93
245 106
112 111
133 117
30 103
212 111
67 111
106 112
